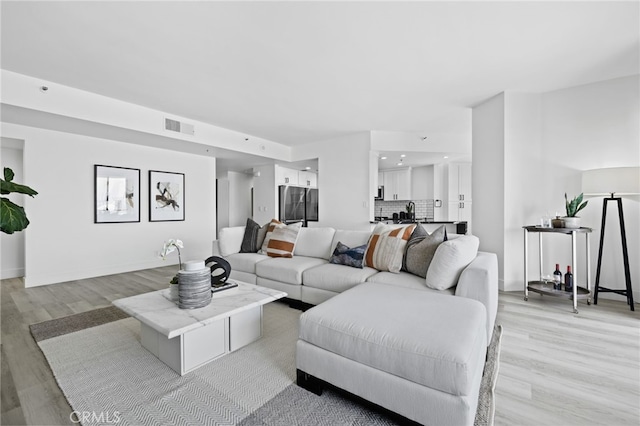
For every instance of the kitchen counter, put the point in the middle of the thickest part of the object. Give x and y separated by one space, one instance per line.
456 227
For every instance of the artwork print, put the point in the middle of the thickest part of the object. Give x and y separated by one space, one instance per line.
116 194
166 196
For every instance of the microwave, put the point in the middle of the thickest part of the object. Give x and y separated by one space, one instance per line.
380 194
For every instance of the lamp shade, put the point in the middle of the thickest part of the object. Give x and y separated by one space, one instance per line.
618 180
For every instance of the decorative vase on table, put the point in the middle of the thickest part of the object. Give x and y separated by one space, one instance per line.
194 289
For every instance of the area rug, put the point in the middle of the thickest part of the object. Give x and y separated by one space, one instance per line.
108 377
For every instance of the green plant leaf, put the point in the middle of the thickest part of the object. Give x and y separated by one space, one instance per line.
582 206
8 174
574 206
12 217
9 187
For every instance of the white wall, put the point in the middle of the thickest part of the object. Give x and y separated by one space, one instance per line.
265 194
528 150
239 198
422 183
488 177
589 127
222 203
234 199
522 173
12 246
62 241
343 180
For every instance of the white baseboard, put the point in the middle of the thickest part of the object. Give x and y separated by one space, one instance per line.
11 273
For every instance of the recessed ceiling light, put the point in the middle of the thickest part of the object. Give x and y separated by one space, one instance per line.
446 156
383 158
402 155
400 163
307 168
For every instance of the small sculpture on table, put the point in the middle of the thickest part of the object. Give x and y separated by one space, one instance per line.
220 272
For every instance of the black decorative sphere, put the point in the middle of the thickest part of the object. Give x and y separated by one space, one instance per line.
220 270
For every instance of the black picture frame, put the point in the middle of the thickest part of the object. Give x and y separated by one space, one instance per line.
116 194
166 196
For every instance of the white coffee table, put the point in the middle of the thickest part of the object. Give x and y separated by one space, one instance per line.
186 339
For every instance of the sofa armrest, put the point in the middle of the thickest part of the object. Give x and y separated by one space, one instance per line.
479 281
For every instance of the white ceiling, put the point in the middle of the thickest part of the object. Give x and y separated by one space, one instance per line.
298 72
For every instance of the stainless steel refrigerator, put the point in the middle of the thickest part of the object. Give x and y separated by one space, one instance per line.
298 204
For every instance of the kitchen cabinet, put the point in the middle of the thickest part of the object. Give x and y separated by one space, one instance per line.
286 176
308 179
460 182
397 184
460 198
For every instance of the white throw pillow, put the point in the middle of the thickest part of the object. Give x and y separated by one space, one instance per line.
449 261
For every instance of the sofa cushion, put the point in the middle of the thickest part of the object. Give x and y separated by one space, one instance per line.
314 242
230 240
449 260
336 278
350 238
404 279
386 247
245 262
435 340
420 251
283 240
347 256
287 270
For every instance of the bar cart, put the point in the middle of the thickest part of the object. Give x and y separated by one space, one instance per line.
546 287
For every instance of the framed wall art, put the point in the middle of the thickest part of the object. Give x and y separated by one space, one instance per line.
166 196
116 194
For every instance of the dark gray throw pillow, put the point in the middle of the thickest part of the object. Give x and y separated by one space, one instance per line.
419 255
250 238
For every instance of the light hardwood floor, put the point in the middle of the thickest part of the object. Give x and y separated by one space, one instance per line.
556 368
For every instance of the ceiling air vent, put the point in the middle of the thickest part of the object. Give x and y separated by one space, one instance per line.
176 126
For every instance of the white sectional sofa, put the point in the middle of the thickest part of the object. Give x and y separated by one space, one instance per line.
385 337
310 278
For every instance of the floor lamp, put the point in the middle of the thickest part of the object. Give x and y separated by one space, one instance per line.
613 183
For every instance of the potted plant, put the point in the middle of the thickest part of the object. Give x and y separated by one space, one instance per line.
573 207
12 217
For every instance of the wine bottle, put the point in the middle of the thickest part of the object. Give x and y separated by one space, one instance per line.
568 280
557 278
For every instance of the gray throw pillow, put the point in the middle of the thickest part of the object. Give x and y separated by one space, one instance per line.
417 235
262 233
250 238
419 255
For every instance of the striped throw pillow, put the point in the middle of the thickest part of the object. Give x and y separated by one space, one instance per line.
386 247
283 240
275 223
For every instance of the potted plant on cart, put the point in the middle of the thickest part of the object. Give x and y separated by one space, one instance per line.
573 207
